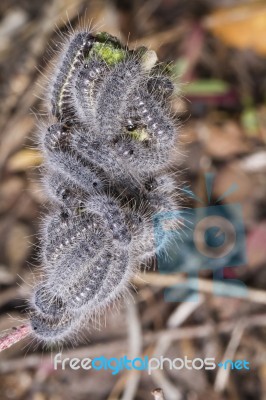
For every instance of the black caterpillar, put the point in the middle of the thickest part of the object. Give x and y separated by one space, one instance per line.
105 172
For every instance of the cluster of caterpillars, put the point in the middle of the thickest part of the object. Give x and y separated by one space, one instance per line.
105 173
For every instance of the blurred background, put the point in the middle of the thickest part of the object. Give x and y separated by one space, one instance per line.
217 51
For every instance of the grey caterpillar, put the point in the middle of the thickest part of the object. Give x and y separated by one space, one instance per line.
105 174
86 86
71 59
60 157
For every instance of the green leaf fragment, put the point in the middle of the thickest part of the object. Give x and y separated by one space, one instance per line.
106 38
140 135
250 122
206 87
108 53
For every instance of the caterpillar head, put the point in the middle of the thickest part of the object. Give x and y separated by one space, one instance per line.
49 318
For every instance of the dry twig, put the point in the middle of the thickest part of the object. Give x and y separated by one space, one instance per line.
158 394
200 284
13 335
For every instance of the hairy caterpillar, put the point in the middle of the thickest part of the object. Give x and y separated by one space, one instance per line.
105 173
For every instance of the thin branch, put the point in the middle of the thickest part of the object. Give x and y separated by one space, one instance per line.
199 284
158 394
135 346
13 335
223 374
